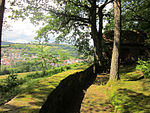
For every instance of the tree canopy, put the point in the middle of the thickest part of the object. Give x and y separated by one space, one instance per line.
74 21
135 16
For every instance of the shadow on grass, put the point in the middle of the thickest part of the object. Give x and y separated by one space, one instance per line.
10 108
146 85
31 101
128 101
127 69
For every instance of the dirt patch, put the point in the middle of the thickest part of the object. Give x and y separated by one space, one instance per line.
96 99
102 79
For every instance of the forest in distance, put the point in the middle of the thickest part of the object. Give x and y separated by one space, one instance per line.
112 75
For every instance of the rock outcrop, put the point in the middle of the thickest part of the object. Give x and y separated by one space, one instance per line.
68 95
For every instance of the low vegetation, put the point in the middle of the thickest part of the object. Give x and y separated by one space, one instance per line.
21 58
34 92
11 85
132 93
129 95
144 66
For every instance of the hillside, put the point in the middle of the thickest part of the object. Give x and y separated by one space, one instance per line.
128 95
71 51
6 43
29 57
33 92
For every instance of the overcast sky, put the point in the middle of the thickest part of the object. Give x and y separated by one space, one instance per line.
20 31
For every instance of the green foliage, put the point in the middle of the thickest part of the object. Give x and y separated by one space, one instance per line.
34 91
69 20
147 42
10 82
144 66
135 16
9 87
12 85
4 70
5 46
129 101
53 71
41 57
130 96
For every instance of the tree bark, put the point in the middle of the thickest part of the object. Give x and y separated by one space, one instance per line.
2 4
97 36
114 71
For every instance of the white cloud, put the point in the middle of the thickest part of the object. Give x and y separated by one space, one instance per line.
20 30
19 41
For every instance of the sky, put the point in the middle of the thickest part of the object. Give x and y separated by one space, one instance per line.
20 31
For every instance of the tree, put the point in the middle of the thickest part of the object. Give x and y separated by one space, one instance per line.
114 71
63 55
71 19
44 56
2 7
135 16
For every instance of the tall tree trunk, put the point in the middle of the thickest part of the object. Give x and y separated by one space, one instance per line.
114 71
2 4
97 37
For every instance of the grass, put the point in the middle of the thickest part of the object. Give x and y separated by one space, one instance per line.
21 75
34 92
129 95
96 100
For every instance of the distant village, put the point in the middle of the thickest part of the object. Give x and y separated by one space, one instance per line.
11 56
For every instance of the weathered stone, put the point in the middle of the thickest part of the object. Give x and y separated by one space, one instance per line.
67 97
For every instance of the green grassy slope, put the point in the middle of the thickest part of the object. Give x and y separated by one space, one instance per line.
128 95
34 93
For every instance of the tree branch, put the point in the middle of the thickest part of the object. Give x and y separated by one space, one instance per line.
106 2
79 4
81 24
138 17
89 1
70 16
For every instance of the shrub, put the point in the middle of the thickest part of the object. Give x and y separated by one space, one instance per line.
144 66
4 71
12 80
53 71
10 83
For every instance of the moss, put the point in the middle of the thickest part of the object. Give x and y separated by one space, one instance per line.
34 92
130 96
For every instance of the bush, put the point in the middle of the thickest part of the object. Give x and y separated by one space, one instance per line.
4 71
53 71
10 83
144 66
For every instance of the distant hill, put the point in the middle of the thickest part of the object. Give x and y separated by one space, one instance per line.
6 43
56 49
